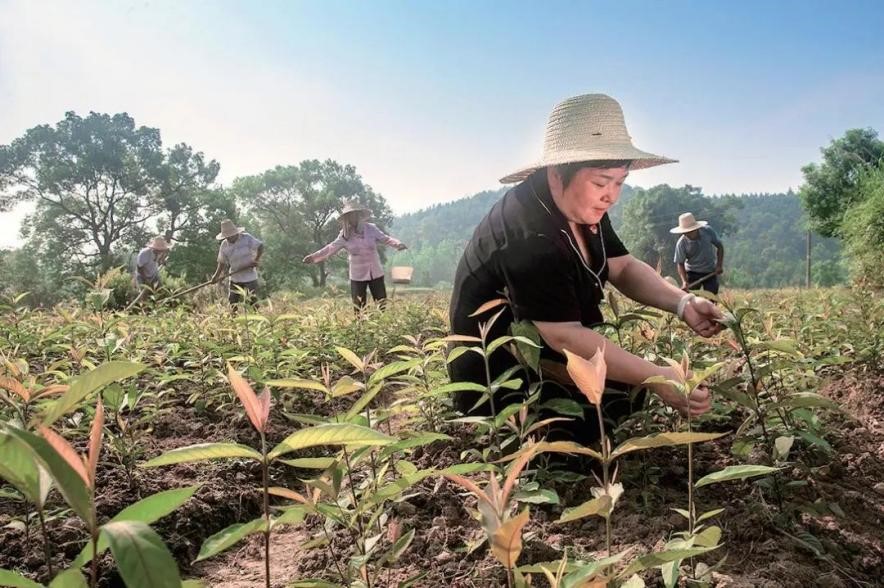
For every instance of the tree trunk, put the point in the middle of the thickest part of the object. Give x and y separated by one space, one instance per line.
322 274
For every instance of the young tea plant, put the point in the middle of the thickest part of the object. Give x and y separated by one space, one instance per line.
258 411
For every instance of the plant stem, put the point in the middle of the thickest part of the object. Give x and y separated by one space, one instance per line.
690 487
605 481
361 543
264 468
491 400
47 548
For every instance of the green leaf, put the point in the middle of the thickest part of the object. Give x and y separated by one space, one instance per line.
457 387
738 472
600 506
16 580
147 510
330 434
397 367
363 401
682 512
564 406
290 516
85 384
789 346
296 383
709 514
142 558
310 463
398 548
662 440
416 441
203 452
634 581
19 467
653 560
709 537
351 357
539 496
72 578
68 481
229 537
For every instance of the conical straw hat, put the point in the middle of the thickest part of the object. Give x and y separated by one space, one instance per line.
588 128
353 207
228 229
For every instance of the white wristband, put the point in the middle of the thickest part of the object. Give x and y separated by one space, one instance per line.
685 300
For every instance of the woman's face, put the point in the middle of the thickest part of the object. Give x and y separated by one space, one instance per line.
589 195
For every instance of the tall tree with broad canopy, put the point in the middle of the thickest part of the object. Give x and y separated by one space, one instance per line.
297 208
649 215
100 185
831 186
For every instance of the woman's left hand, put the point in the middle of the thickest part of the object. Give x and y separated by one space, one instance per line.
702 316
401 247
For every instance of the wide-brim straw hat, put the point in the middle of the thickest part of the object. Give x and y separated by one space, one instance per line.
159 244
687 223
351 207
228 229
588 128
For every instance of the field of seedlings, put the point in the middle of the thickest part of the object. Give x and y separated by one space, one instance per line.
299 445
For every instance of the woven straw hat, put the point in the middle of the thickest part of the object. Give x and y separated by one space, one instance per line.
353 207
159 244
588 128
228 229
687 223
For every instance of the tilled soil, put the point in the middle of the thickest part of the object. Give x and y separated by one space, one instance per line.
838 540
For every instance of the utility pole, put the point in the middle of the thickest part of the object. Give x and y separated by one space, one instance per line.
807 269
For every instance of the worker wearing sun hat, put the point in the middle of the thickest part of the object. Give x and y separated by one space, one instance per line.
699 254
239 254
549 247
360 238
148 262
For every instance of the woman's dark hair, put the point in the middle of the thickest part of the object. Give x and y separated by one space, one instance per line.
567 171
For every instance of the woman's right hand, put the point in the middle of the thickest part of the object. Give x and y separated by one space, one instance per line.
699 402
308 258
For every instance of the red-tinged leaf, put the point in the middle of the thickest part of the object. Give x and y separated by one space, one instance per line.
286 493
67 452
470 486
506 544
588 374
15 387
488 306
52 390
247 397
95 442
516 469
264 403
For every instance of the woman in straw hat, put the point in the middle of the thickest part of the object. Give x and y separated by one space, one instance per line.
360 238
549 247
149 261
699 254
239 255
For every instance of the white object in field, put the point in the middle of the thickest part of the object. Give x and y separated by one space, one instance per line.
402 274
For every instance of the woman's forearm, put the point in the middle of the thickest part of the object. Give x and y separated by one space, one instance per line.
639 281
622 366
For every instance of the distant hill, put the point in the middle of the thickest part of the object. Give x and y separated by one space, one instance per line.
767 250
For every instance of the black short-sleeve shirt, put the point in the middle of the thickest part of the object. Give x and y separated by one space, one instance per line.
524 250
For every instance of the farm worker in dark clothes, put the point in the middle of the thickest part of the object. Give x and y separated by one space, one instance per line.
698 253
240 253
360 238
148 262
549 248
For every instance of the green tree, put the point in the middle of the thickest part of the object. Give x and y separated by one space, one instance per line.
863 230
100 184
830 187
649 215
297 206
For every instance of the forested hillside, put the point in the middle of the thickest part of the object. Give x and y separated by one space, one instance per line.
765 238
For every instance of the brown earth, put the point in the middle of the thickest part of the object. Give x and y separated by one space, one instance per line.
840 545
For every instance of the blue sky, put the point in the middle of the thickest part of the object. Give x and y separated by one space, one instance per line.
432 101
